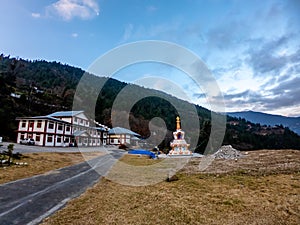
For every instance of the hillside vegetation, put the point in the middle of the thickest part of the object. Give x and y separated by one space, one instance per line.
257 117
32 88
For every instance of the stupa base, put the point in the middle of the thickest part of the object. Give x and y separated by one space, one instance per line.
183 153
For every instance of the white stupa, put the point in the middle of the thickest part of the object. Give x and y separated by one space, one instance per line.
179 145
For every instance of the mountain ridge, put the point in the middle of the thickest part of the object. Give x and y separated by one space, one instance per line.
269 119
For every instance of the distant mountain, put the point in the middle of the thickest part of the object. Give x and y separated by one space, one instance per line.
268 119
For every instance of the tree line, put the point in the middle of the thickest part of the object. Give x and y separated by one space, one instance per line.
32 88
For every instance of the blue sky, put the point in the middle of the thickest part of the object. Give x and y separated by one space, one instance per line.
251 47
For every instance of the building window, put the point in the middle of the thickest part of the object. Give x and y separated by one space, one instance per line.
23 124
68 128
58 139
22 136
39 124
75 119
31 124
60 127
37 137
51 125
49 138
67 140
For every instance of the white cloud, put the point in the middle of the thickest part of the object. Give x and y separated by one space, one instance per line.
151 8
128 32
74 35
69 9
36 15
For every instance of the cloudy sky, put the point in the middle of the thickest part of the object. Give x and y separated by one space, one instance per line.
252 48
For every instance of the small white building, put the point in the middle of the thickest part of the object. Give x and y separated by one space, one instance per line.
66 128
120 135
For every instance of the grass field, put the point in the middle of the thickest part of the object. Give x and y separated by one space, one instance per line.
38 163
261 188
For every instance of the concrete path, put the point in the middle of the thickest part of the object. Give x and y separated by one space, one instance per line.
30 200
31 149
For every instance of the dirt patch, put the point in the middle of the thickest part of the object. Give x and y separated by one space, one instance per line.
38 163
261 188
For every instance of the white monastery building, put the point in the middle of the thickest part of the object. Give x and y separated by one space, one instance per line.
66 128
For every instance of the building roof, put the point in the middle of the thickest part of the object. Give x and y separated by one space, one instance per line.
42 118
121 130
100 128
135 138
65 113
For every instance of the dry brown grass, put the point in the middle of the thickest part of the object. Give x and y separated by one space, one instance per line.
260 162
140 170
138 160
38 163
235 197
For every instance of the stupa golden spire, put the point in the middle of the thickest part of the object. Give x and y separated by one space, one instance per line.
178 123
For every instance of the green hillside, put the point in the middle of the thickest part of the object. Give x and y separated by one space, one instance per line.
31 88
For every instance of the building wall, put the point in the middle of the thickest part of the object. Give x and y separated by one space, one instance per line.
81 120
48 132
31 129
116 139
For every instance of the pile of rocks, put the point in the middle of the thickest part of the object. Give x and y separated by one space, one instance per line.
227 152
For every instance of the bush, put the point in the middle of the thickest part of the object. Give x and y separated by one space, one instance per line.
10 149
122 146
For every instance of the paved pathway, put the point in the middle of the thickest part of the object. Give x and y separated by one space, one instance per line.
28 201
31 149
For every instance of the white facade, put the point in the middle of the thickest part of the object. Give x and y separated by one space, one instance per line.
61 129
119 135
117 139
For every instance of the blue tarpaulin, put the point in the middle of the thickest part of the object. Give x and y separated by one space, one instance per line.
142 152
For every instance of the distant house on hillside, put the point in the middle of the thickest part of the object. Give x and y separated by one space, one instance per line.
120 135
61 129
14 95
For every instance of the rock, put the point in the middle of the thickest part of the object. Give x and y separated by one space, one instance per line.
227 152
172 178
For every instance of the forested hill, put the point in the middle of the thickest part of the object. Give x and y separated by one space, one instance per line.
31 88
263 118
